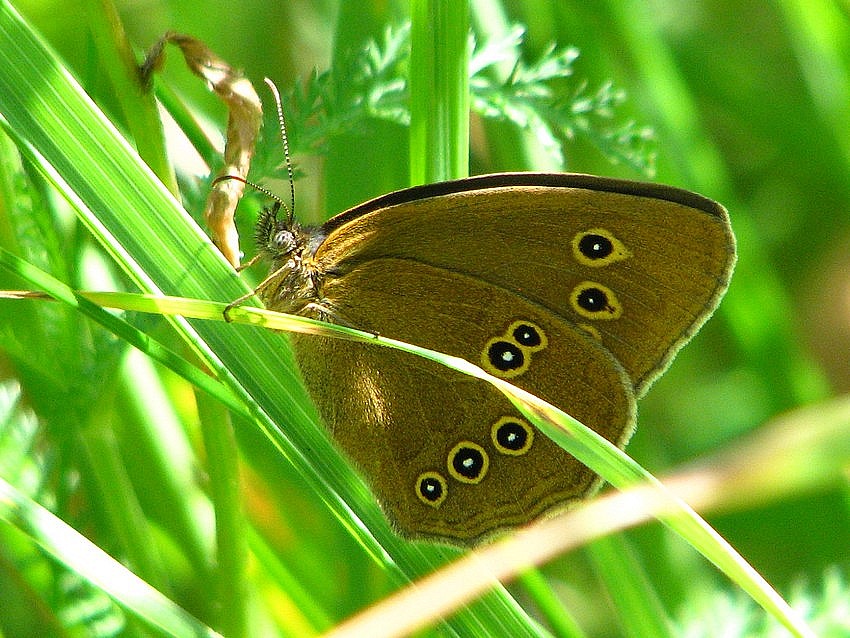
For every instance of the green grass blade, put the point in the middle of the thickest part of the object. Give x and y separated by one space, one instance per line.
76 552
56 289
639 611
439 91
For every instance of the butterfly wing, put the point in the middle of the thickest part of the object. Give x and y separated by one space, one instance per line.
638 266
447 455
576 288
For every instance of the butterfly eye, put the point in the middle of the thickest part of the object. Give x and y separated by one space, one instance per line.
283 241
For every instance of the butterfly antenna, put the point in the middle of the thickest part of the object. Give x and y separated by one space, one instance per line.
282 125
265 191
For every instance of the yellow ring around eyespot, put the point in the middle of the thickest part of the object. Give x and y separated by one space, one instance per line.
443 484
619 252
529 440
544 340
592 331
510 373
611 310
460 477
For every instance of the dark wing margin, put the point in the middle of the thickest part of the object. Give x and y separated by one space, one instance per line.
556 180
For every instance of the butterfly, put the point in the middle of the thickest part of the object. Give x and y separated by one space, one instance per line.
579 289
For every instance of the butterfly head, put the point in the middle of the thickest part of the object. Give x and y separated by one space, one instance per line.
294 279
278 239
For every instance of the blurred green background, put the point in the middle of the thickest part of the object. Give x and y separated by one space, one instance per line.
750 105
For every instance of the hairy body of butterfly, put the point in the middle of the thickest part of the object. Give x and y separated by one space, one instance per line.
576 288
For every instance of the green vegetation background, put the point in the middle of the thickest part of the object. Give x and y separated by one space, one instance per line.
750 103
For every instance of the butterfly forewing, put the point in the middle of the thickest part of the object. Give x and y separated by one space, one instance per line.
527 239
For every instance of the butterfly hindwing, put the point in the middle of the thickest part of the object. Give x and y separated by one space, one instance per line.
403 420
